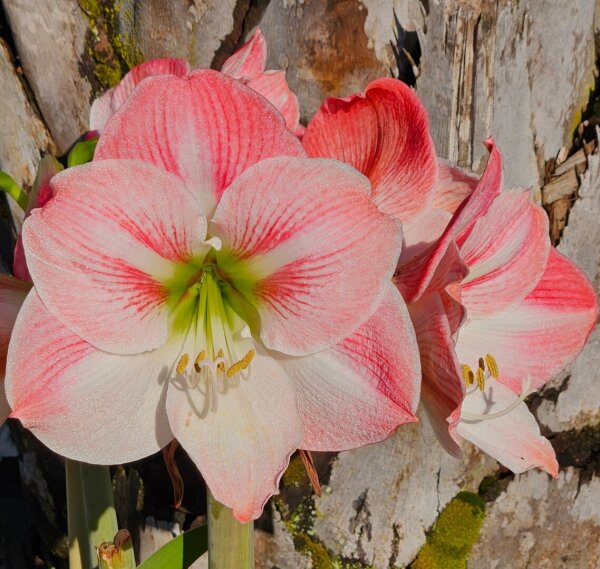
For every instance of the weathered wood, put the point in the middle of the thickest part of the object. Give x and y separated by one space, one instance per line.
193 30
50 39
383 498
542 523
24 134
322 57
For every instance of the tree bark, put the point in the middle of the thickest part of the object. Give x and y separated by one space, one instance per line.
521 71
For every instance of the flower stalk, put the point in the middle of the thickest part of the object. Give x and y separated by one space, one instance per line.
92 519
230 542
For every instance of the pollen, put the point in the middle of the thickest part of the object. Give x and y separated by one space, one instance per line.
183 362
492 366
242 364
480 379
199 358
468 375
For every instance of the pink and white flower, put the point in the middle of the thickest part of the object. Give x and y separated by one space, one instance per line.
525 312
247 64
203 279
477 271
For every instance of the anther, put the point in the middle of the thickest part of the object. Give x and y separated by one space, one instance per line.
468 375
199 358
242 364
183 362
480 379
492 366
482 364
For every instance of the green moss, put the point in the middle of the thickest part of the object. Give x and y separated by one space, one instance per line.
453 535
317 552
108 74
299 522
295 473
111 52
90 8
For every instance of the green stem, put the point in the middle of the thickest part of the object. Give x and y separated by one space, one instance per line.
91 513
230 543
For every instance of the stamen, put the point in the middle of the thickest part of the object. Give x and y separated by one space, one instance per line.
481 364
480 417
183 362
492 366
242 364
198 362
468 375
480 379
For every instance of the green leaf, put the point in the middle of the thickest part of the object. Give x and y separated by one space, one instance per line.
181 552
8 185
82 152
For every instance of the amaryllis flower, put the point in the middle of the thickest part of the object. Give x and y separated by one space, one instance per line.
203 279
484 287
13 290
247 64
529 311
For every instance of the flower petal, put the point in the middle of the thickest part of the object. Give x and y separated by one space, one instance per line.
113 230
542 334
243 447
512 439
106 105
316 252
450 269
249 59
273 87
442 389
41 192
481 198
421 231
101 110
385 135
207 128
453 186
506 251
416 276
359 391
12 295
83 403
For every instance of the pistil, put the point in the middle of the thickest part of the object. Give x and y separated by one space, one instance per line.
217 365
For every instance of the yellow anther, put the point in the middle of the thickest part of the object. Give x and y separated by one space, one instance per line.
492 366
183 362
199 358
480 379
468 375
220 353
242 364
482 364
